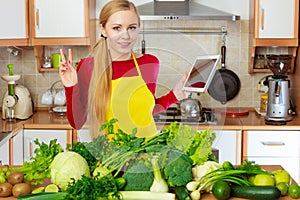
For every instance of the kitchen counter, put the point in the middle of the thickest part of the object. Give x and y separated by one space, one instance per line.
39 120
45 120
269 168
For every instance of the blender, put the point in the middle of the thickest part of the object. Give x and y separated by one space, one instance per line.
279 109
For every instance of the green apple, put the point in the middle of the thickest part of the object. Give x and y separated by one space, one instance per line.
281 176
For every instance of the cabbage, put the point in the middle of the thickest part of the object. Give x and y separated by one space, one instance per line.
67 165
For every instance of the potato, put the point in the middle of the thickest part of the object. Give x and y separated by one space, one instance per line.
21 189
5 189
15 177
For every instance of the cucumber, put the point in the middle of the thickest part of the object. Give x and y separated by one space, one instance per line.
256 192
181 193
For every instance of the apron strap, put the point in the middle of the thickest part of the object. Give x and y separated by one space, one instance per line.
136 64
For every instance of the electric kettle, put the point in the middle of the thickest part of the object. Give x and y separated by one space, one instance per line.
190 108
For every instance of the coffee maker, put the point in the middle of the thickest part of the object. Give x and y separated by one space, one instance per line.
279 108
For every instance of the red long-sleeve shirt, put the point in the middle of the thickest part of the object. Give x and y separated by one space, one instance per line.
77 95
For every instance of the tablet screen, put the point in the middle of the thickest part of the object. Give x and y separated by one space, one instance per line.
201 73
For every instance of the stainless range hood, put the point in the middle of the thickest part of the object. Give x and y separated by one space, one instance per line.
181 10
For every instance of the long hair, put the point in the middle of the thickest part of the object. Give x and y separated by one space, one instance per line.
100 84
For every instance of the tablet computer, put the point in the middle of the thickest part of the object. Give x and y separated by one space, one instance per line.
201 73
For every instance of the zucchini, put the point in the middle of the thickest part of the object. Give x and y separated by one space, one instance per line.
256 192
44 196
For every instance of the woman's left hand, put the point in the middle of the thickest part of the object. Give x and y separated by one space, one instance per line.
178 89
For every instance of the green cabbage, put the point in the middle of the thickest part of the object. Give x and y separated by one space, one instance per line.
67 165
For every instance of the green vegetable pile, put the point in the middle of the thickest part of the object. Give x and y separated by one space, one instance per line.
38 169
120 161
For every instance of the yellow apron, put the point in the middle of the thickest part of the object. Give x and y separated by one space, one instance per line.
132 105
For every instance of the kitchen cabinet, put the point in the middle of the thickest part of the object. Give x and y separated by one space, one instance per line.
83 135
274 24
274 148
12 149
61 22
16 149
14 23
49 22
228 143
63 137
4 155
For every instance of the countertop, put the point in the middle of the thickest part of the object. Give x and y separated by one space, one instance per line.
269 168
44 120
39 120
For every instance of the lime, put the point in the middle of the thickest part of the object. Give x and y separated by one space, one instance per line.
283 187
294 191
38 190
227 165
281 176
263 180
221 190
51 188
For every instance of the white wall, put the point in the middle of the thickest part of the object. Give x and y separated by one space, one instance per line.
239 7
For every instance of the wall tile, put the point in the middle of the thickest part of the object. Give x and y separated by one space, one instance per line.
176 53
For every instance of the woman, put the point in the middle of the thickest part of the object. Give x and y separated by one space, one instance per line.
115 82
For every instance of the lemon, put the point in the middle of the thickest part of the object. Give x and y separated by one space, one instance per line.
51 188
294 191
281 176
263 180
38 190
283 187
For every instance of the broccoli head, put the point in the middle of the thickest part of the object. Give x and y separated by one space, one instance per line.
178 171
139 176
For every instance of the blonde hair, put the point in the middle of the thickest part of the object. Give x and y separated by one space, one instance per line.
100 84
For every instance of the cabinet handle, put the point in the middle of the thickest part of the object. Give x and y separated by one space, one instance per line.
273 143
262 22
30 149
37 18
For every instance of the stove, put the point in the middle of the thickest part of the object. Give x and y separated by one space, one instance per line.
172 114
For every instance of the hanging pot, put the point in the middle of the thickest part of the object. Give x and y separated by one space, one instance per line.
226 84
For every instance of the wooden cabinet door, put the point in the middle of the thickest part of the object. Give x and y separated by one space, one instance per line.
228 144
14 23
4 155
274 148
17 149
63 138
59 18
276 18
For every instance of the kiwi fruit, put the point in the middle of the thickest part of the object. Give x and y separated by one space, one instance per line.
21 189
5 189
15 177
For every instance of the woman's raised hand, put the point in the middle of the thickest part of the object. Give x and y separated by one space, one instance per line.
67 72
178 91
